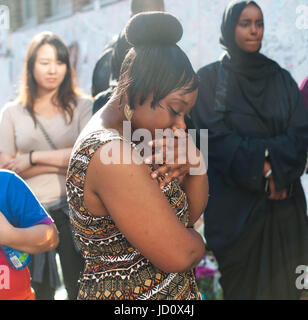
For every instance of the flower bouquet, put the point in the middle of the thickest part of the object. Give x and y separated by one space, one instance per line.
207 277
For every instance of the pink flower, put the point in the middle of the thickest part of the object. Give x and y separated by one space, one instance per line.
203 271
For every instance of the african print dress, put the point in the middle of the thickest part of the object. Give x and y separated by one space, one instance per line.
114 270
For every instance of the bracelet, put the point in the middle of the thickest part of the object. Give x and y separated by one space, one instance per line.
30 158
268 174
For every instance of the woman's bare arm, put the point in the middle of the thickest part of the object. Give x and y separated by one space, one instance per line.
30 171
197 190
58 158
192 176
41 169
143 214
4 159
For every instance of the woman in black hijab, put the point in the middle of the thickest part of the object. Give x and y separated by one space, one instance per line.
255 221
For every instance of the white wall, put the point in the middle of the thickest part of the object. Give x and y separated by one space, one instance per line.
286 37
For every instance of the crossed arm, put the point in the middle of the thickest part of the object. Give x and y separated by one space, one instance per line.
49 161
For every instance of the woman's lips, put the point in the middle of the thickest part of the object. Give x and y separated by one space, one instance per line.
253 41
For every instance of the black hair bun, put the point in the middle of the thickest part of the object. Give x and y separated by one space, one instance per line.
153 28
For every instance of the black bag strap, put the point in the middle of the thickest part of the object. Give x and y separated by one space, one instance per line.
48 139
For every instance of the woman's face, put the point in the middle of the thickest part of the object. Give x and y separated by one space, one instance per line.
48 71
168 113
250 29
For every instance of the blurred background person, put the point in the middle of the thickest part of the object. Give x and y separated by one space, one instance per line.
24 226
107 70
256 219
38 131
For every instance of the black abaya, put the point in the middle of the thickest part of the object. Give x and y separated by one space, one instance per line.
258 242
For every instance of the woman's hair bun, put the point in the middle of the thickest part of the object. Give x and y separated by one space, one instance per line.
153 28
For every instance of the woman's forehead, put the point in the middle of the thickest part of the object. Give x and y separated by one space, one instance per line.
184 96
47 51
251 11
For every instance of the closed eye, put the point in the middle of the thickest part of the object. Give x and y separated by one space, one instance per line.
170 109
173 111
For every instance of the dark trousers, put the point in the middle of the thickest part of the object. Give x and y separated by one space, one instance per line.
72 263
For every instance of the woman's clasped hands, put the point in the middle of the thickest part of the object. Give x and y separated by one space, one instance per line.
174 157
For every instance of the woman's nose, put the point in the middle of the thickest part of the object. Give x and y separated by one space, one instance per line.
180 123
52 68
253 29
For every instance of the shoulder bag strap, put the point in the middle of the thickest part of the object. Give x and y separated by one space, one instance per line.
51 144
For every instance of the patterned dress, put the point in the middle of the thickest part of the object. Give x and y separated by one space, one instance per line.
114 269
